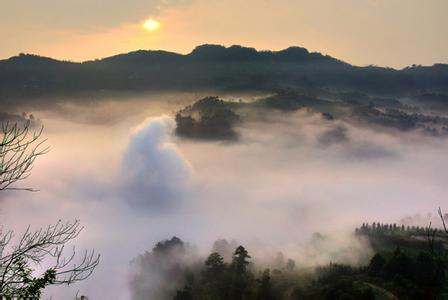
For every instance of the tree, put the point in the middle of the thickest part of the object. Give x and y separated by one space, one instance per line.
443 217
215 264
240 260
185 294
18 262
376 263
265 289
242 280
215 276
19 148
290 265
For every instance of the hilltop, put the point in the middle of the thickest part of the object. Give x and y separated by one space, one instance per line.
210 67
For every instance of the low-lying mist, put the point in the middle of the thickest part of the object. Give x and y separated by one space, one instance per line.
118 167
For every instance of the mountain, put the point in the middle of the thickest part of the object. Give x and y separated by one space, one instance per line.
210 67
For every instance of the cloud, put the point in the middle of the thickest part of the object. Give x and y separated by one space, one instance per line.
155 174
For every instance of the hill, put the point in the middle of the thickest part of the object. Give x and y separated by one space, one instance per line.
210 67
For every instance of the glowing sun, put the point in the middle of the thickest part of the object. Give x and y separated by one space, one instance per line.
151 25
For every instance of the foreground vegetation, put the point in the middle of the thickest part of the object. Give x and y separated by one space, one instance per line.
35 259
409 263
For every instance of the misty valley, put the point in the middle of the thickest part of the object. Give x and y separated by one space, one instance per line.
224 174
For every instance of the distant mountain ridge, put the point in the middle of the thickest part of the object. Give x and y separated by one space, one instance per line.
206 52
209 67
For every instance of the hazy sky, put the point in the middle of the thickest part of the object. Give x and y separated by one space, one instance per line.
384 32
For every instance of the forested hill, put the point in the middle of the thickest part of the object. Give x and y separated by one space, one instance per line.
210 67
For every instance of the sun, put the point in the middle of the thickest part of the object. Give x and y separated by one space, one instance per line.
151 25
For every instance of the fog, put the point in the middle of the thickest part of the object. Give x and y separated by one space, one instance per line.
117 166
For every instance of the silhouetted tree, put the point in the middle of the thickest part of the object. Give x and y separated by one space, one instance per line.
216 280
18 262
240 260
241 279
19 148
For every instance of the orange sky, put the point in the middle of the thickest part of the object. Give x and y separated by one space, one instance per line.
383 32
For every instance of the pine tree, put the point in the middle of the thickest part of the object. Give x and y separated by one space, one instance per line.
240 260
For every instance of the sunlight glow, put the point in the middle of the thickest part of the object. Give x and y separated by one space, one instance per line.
151 25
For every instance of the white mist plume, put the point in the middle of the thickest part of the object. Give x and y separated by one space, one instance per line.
154 172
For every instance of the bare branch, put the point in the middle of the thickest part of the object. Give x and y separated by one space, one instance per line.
19 148
47 245
443 220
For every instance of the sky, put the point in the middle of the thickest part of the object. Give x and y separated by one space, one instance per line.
394 33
